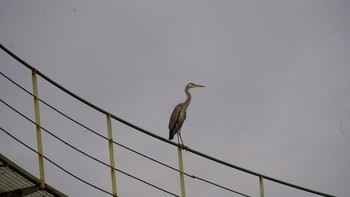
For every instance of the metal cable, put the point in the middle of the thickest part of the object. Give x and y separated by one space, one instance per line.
156 136
123 146
82 152
58 166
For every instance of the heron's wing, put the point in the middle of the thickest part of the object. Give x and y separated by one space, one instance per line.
174 116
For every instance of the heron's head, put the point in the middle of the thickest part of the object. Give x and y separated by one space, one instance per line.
192 85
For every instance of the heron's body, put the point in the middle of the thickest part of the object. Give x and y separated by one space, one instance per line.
177 119
179 114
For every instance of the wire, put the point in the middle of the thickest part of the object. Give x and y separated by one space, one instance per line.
125 147
154 135
82 152
58 166
53 108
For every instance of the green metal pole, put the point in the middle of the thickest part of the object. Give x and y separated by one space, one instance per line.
182 177
38 130
261 186
111 155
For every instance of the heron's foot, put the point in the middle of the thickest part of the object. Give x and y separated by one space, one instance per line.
182 146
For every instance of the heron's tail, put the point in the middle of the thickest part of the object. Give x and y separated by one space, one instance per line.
171 134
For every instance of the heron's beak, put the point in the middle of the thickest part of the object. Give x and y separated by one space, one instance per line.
198 86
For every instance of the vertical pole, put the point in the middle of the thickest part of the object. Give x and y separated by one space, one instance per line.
38 130
261 186
182 178
111 155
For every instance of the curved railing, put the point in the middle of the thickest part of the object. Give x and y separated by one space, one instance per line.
110 116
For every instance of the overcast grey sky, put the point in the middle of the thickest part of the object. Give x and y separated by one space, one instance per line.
276 101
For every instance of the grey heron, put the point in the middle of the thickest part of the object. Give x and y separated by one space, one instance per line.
179 114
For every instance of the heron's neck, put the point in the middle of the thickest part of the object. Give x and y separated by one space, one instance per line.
188 99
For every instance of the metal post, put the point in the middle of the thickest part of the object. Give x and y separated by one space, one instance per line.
111 155
182 178
261 186
38 130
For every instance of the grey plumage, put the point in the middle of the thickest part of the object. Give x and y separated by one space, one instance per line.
178 116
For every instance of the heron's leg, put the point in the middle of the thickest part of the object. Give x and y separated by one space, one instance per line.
178 141
182 142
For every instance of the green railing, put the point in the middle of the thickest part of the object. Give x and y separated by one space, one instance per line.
41 157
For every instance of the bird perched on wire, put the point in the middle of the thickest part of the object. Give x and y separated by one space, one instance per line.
179 115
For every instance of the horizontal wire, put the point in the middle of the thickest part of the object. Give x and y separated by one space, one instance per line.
123 146
157 136
58 166
82 152
53 108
